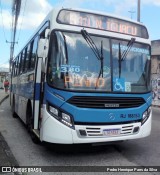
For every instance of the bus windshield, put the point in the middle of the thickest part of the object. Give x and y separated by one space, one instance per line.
74 66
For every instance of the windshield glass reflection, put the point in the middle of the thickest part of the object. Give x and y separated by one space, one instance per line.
74 66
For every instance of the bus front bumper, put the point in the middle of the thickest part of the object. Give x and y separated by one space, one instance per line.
53 131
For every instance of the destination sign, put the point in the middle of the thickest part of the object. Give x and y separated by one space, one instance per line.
97 21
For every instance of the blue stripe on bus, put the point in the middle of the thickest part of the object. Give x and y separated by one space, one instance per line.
59 98
104 115
37 91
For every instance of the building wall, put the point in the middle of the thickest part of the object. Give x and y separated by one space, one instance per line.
156 89
155 67
155 71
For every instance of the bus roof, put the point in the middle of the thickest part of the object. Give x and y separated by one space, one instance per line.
53 14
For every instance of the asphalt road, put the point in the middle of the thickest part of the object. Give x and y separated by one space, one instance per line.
142 152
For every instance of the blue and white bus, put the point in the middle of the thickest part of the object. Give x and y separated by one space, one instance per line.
84 77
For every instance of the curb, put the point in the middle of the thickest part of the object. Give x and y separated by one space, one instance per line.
4 99
4 145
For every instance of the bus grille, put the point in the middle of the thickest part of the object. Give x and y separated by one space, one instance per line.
98 131
106 102
94 131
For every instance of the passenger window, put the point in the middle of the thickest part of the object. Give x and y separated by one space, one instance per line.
27 55
22 61
16 66
20 64
13 68
34 53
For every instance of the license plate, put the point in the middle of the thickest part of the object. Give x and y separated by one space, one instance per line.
111 132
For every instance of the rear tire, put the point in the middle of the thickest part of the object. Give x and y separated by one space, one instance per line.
14 115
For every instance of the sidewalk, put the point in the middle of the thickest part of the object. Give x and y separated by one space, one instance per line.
6 157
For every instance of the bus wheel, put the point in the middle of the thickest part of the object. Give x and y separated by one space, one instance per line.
30 124
14 115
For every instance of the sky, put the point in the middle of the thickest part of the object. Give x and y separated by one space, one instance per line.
34 11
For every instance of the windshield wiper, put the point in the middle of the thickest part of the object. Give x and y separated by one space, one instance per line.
98 54
65 46
125 53
129 46
120 59
91 43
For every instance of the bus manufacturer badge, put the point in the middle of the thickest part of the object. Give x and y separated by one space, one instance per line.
109 105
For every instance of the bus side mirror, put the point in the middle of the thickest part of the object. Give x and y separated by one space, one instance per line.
47 33
42 48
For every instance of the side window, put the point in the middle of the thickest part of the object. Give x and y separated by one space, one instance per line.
33 53
20 63
23 60
13 68
27 56
16 66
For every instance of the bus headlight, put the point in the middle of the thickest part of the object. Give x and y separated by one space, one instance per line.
66 117
61 116
53 110
146 115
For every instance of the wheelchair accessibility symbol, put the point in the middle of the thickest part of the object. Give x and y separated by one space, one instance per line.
118 84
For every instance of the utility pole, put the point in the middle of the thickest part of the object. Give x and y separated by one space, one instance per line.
138 10
11 53
16 6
